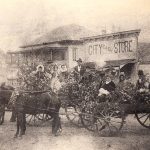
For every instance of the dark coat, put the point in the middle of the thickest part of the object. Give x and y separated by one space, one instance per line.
40 75
140 83
109 87
82 70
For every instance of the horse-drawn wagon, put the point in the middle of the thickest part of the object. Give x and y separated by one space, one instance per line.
110 115
84 109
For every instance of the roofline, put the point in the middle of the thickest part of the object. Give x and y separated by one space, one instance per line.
85 38
37 49
53 42
144 62
112 34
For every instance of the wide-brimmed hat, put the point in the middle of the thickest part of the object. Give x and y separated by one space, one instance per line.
122 74
40 66
79 60
140 73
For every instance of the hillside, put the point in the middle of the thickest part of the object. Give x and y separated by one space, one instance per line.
144 52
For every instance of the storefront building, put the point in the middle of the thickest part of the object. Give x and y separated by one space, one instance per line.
117 50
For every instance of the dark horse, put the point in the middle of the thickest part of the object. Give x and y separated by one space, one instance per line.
5 94
36 103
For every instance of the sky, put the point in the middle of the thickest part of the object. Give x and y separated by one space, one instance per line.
22 19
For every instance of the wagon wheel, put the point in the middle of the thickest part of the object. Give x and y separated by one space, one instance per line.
88 120
112 120
143 119
36 119
73 114
103 119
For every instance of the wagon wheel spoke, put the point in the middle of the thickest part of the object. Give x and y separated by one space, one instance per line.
27 115
73 115
34 119
89 122
146 119
143 119
143 116
117 129
30 118
112 121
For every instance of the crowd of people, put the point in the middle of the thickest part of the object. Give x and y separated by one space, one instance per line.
57 77
107 84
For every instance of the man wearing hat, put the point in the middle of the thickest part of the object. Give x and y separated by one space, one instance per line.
141 80
87 76
79 69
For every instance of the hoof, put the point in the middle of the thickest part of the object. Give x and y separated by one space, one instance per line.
56 134
12 120
60 130
20 137
15 136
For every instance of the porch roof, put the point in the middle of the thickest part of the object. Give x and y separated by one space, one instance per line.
44 49
117 63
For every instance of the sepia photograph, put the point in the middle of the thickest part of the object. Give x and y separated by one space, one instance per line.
75 75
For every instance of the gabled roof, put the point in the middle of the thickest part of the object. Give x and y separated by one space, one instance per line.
64 33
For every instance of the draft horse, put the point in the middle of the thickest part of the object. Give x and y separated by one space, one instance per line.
36 103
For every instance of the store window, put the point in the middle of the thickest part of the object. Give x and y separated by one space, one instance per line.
58 55
74 54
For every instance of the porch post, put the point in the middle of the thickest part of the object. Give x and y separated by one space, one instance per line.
51 55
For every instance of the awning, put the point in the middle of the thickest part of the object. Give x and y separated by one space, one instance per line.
119 63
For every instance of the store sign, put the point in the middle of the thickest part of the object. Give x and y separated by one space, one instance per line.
112 49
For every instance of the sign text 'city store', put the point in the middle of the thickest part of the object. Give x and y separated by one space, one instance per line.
116 47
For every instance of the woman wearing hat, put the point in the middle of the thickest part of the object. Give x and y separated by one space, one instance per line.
40 71
125 85
41 79
122 80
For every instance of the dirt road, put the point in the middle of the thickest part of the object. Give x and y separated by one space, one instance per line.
134 137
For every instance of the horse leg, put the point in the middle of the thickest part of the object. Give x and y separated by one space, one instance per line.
56 125
13 116
60 127
53 125
19 124
2 114
17 132
24 124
